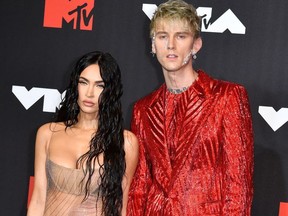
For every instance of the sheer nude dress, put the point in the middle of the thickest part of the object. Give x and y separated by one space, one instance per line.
65 192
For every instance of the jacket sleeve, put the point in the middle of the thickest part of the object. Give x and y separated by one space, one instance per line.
238 160
142 179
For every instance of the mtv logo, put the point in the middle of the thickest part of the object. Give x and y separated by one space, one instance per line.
283 209
228 20
28 98
275 119
77 12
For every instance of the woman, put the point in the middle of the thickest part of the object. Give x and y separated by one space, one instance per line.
85 160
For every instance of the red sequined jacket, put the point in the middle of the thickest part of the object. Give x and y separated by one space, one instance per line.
196 151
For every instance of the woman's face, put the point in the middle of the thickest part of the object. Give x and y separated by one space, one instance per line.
90 86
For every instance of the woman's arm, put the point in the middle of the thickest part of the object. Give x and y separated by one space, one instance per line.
37 203
131 156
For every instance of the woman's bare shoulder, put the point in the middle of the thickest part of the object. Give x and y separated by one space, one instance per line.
130 142
47 129
130 137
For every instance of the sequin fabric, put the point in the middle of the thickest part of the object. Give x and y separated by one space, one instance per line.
65 193
196 151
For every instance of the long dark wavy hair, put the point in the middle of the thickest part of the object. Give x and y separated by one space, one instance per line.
109 138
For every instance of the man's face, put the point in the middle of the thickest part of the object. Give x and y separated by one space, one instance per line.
173 44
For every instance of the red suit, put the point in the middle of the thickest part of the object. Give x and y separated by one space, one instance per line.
196 151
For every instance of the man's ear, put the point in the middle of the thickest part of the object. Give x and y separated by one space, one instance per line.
197 45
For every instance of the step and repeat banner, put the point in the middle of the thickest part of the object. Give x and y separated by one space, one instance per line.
243 42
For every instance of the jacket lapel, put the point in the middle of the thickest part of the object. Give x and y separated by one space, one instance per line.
156 137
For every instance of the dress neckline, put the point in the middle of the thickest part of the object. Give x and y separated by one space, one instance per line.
63 167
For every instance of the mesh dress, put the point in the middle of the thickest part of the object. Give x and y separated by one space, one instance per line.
65 194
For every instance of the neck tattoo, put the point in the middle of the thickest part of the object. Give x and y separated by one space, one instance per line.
177 91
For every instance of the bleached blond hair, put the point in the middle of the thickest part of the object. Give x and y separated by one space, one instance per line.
177 10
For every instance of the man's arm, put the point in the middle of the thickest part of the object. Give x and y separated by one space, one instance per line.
238 154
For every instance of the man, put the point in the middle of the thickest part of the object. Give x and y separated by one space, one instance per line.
195 132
